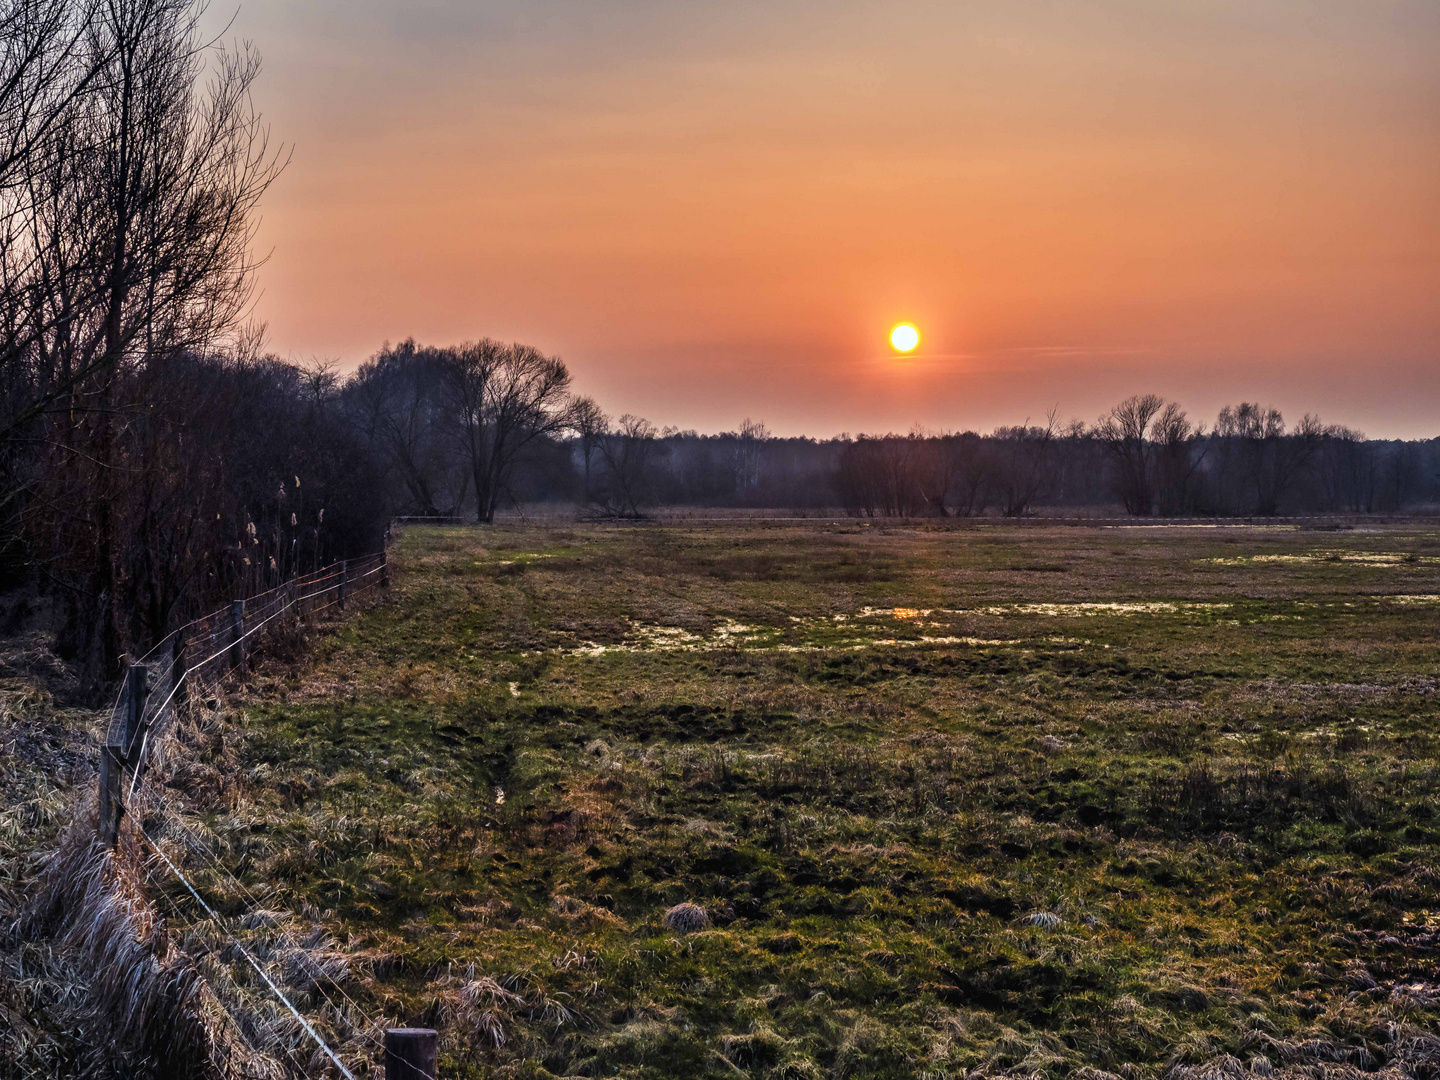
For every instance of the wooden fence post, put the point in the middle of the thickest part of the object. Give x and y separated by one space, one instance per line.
384 571
237 635
410 1053
344 580
111 769
137 695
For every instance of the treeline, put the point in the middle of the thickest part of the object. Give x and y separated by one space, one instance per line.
1145 457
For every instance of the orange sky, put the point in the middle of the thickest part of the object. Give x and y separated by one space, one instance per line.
715 211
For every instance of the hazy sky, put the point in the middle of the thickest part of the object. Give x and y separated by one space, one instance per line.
717 210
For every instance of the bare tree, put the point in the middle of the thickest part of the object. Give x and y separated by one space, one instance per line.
128 180
398 399
503 398
590 426
1348 471
1260 460
628 452
746 461
935 468
1024 465
1125 434
1176 459
886 475
971 473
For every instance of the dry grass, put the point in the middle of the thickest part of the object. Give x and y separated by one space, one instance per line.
106 966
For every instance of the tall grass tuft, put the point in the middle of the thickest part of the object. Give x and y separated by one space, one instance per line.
144 1004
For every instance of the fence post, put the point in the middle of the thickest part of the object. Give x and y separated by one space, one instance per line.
178 669
384 571
137 694
410 1053
344 580
111 768
237 635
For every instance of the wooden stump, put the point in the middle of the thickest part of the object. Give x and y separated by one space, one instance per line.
410 1053
111 771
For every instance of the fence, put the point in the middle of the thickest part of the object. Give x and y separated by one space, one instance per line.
202 653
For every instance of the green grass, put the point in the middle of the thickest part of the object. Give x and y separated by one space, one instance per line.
1199 826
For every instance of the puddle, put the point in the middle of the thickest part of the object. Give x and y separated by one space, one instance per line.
1057 610
648 638
864 629
522 558
1090 608
1360 558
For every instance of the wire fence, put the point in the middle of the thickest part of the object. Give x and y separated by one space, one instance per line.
198 657
203 652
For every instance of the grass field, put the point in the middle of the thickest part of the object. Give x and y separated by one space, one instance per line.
946 801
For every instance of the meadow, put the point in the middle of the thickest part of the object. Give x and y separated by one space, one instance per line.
845 799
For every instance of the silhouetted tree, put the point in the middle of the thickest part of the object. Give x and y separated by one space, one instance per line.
1125 433
1176 459
590 426
502 398
970 473
1259 460
1024 465
125 247
1347 471
399 401
628 451
884 476
747 457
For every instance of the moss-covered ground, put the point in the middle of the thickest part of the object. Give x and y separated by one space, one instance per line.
954 800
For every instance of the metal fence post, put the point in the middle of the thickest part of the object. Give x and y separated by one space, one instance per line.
344 580
237 635
410 1053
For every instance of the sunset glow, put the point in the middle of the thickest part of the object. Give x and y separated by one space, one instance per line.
1210 201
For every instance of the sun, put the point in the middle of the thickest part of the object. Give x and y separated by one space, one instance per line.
904 338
